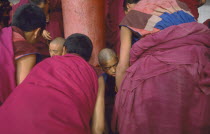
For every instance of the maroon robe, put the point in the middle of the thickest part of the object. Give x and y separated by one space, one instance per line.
166 89
57 97
12 47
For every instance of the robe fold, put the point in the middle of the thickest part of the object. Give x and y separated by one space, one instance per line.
7 67
166 88
57 97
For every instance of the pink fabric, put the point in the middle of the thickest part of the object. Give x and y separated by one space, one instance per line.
7 68
166 89
147 14
57 97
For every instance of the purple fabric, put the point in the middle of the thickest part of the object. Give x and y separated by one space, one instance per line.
7 68
166 89
57 97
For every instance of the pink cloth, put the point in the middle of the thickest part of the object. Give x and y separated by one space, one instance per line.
166 89
7 68
57 97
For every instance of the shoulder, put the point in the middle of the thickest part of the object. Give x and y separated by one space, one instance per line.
20 46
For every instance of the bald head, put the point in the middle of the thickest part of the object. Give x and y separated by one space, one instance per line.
105 55
108 61
56 46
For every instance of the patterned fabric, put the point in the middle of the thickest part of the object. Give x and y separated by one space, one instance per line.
150 16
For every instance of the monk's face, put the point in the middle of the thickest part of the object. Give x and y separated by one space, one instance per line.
55 49
110 66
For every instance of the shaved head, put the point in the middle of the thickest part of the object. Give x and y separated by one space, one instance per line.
58 40
105 55
56 46
108 60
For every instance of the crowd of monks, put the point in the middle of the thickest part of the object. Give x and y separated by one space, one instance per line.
47 85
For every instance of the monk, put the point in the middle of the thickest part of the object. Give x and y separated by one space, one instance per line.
163 76
56 46
57 97
108 61
18 54
98 120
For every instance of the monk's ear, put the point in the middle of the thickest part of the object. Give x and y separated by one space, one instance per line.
37 33
128 6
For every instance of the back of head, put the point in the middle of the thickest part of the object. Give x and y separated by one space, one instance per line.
37 2
79 44
29 17
58 40
129 2
106 55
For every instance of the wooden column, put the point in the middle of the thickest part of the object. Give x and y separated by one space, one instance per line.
86 17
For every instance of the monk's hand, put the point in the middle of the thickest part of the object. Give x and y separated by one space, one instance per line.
46 35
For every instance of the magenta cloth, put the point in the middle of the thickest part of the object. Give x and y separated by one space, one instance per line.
57 97
166 90
7 68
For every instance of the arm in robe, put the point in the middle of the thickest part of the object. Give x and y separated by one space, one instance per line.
98 120
125 37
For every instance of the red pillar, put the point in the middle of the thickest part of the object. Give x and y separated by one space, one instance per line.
87 17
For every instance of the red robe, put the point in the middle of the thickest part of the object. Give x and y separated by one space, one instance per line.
12 47
166 90
57 97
